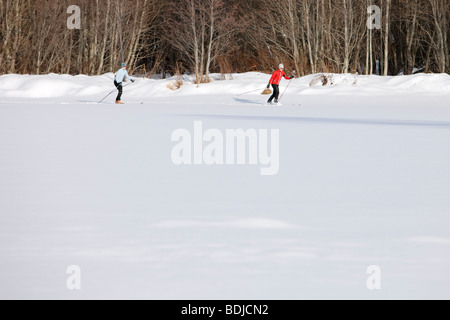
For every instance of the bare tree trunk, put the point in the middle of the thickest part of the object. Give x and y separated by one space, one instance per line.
346 39
120 22
210 40
439 12
309 38
196 41
105 38
410 37
386 38
293 34
371 51
140 32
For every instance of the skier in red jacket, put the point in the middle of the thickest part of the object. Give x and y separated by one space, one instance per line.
275 82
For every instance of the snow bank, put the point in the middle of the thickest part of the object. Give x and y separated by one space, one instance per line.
96 87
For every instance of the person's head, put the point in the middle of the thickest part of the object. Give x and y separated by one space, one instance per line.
123 65
281 66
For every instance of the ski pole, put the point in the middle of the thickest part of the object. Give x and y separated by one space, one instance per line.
240 94
285 90
111 93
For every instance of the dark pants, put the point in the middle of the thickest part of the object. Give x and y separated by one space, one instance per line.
120 88
276 93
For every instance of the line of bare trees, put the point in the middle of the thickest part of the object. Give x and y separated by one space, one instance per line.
204 36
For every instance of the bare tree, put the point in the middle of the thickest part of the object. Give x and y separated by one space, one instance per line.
439 11
204 30
210 35
12 21
386 36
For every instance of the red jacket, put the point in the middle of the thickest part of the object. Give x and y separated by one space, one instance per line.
276 77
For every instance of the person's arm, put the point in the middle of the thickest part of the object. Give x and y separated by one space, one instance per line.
286 77
128 77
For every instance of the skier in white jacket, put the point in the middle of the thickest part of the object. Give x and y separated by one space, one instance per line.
120 76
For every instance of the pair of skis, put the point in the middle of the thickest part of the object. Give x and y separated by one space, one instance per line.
112 93
273 104
270 104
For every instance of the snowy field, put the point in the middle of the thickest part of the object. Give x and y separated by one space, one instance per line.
364 180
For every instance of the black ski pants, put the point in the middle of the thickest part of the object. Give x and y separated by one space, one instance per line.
120 88
276 93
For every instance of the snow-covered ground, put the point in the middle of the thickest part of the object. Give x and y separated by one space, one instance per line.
364 180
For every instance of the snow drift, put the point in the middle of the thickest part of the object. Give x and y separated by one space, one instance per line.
81 87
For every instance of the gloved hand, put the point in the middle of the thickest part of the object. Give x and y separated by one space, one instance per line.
132 80
268 86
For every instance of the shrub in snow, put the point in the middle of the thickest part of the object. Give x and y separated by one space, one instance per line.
334 79
322 79
175 84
